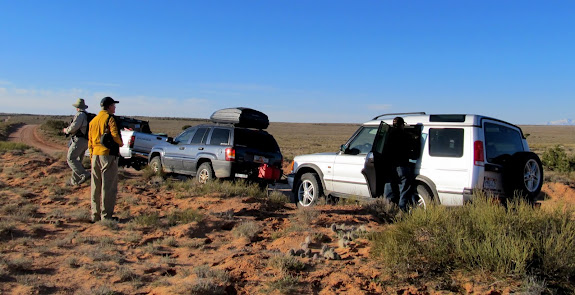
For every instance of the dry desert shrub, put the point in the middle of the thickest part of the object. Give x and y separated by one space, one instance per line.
285 263
208 281
306 216
132 237
148 220
110 224
207 272
283 283
278 198
383 209
482 235
186 216
16 264
196 243
247 229
12 146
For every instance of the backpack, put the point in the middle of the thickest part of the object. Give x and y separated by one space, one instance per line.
89 117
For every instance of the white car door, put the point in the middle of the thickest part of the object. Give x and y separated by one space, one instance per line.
348 164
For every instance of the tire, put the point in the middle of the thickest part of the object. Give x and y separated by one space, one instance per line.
423 196
205 173
309 190
156 165
523 176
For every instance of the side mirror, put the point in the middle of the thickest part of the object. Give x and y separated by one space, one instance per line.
170 140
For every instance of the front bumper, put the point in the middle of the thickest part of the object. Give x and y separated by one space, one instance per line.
290 179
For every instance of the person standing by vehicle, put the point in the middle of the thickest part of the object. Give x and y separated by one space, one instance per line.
104 161
400 147
78 144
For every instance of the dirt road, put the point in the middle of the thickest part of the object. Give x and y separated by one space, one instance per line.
28 134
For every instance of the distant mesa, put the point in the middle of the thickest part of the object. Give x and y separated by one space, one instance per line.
562 122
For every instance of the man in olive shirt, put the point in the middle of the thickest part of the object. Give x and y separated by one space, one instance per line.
78 144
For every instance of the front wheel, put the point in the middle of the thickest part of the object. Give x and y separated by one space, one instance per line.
309 190
205 173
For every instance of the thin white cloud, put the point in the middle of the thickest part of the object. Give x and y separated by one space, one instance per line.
51 102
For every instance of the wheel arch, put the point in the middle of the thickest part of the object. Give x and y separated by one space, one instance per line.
154 154
429 183
202 161
306 168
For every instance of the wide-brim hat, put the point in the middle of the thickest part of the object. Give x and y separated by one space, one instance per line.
80 104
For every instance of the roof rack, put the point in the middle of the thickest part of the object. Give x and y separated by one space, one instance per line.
397 114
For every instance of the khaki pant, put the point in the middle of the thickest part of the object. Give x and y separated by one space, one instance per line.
76 151
104 186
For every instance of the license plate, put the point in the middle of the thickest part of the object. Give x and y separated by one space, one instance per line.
489 183
260 159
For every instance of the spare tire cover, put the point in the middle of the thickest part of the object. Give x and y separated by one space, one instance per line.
523 176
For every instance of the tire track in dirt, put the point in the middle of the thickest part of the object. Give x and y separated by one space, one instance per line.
28 134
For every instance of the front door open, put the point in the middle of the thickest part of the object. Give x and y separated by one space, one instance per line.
374 166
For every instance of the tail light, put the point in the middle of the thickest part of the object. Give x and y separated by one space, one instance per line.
132 140
230 154
478 153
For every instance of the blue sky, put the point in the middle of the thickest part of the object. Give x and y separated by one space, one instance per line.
295 60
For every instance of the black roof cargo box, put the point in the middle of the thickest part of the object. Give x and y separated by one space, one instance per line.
241 117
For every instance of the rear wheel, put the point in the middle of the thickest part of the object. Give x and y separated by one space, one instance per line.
423 196
309 190
156 165
205 173
523 176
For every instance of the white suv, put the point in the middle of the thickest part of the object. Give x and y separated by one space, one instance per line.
459 153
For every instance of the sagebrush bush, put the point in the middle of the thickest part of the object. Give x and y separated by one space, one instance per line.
481 235
6 146
383 209
184 216
54 126
7 128
284 284
556 159
148 220
247 229
286 263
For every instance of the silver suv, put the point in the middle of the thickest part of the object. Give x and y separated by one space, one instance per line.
458 153
220 151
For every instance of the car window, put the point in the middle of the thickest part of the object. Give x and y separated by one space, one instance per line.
362 142
446 142
256 139
220 137
501 140
185 136
200 136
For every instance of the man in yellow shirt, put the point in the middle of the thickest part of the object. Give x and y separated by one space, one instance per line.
104 161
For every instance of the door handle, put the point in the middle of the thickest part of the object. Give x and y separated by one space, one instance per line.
182 148
201 148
